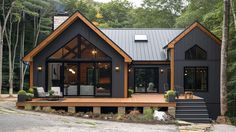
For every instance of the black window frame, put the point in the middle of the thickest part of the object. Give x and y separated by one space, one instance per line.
195 58
195 82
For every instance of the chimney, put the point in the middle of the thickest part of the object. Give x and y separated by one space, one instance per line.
59 19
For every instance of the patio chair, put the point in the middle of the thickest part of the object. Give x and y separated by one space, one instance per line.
57 91
41 93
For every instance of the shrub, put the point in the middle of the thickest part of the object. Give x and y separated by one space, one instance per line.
148 114
29 96
130 92
22 92
31 90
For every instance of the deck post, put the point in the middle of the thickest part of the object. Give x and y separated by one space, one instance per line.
121 110
171 111
71 110
172 69
97 110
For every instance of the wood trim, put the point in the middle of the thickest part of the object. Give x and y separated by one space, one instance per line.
65 25
172 69
152 62
125 80
189 29
31 79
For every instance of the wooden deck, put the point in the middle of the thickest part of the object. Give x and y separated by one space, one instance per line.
137 100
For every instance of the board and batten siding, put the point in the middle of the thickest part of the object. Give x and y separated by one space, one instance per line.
78 27
200 38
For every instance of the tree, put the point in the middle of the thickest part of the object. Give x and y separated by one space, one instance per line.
233 12
224 57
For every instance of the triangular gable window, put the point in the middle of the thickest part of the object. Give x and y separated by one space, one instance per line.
79 48
195 53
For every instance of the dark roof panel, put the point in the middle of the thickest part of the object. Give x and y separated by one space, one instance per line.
151 50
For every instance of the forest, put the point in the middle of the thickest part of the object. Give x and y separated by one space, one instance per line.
24 23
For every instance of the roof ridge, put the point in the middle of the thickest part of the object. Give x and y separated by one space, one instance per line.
141 28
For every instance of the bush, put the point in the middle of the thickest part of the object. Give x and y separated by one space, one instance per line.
51 92
29 96
31 90
22 92
130 92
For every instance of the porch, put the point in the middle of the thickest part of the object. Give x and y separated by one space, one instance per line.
137 100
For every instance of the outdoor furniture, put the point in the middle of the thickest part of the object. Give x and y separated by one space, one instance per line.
188 95
57 91
40 93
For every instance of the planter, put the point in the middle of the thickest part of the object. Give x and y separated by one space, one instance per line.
171 99
22 98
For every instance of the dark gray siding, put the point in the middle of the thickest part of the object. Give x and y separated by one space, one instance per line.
78 27
162 76
212 97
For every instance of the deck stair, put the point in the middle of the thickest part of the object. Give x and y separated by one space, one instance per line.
192 110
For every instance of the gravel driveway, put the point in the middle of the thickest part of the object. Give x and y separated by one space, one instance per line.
15 120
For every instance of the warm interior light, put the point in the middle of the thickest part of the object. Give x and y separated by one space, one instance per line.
94 52
40 68
72 71
129 70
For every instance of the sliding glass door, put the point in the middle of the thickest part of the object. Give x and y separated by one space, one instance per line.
70 79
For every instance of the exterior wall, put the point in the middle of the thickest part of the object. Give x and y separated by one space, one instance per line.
196 36
78 27
162 76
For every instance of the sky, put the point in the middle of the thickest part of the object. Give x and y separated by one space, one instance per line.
135 2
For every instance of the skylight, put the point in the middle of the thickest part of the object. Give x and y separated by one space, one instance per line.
140 38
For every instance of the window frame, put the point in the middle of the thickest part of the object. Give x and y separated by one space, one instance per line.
195 82
185 55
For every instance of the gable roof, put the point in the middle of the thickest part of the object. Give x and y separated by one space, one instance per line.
66 24
152 50
188 30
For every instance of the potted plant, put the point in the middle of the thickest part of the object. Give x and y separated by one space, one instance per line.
29 96
170 96
130 92
51 93
22 96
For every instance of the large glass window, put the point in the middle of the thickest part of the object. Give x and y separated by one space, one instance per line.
80 68
196 78
146 79
195 53
79 48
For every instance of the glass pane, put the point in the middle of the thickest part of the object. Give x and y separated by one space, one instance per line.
86 79
146 79
195 53
189 79
103 79
201 79
70 79
54 74
69 51
90 51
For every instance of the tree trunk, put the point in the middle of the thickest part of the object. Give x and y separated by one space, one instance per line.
1 50
22 49
224 55
233 12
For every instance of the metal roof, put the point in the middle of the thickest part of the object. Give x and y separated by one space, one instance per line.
151 50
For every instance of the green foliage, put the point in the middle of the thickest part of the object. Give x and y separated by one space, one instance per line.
169 93
31 90
130 92
22 92
51 92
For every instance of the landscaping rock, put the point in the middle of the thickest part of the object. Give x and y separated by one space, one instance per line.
160 115
86 116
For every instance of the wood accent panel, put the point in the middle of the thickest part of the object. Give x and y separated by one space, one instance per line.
189 29
65 25
31 74
172 69
125 80
151 62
